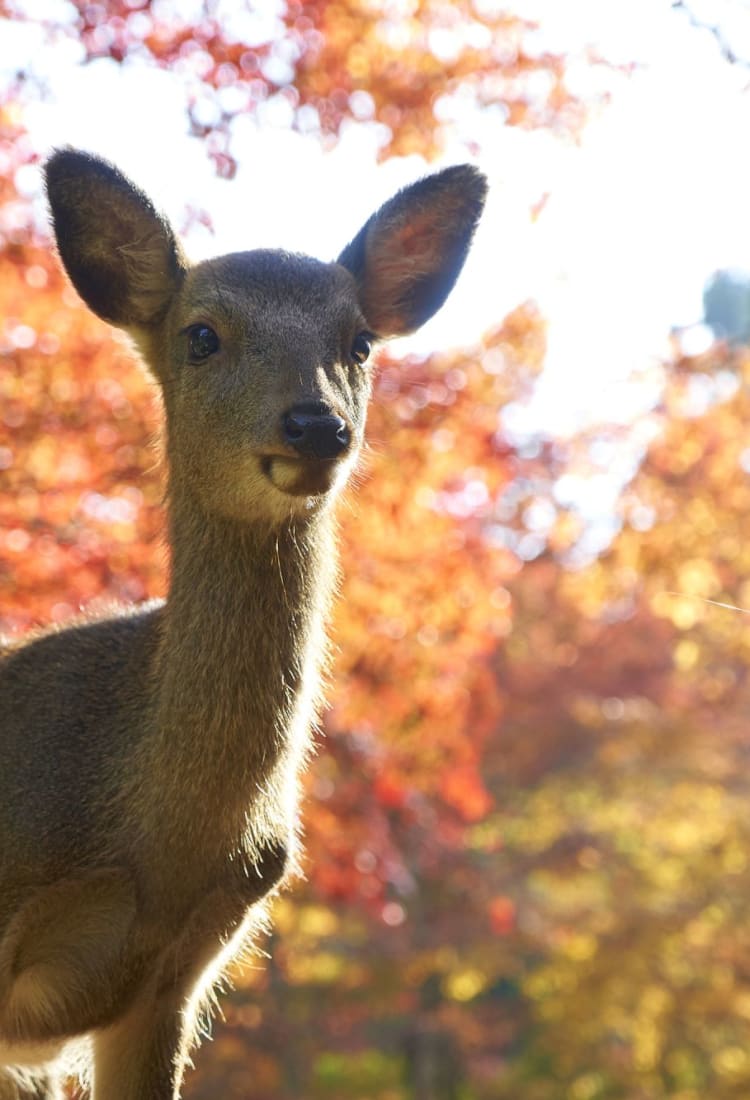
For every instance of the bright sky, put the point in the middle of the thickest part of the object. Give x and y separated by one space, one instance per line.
638 216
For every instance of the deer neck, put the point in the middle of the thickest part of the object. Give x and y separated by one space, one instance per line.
238 666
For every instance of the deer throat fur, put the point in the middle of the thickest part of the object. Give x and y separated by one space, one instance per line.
237 679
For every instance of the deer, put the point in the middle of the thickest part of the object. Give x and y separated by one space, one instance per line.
150 760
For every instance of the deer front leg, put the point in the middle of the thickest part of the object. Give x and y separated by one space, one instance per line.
144 1054
61 957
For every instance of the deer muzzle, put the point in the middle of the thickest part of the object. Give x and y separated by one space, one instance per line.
315 440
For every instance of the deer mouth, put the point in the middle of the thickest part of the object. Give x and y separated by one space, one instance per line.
300 477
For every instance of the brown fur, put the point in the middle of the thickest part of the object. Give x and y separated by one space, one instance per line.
149 762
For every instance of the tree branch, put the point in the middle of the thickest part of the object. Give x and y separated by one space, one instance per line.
725 48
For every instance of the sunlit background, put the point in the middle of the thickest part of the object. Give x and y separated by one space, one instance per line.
528 824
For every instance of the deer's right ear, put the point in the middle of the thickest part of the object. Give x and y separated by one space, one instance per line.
407 257
121 255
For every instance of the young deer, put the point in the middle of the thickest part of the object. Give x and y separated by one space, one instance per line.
149 762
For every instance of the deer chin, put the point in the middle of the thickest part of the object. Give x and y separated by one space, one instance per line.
302 477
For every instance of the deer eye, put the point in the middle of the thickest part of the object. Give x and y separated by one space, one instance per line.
361 348
202 342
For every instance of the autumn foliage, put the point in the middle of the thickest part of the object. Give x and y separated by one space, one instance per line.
527 825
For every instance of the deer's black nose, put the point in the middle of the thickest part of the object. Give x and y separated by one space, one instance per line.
315 434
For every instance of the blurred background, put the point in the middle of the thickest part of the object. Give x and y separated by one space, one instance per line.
528 823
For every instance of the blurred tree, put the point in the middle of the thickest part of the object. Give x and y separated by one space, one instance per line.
727 21
625 826
418 70
726 305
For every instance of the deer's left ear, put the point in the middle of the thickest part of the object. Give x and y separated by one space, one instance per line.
407 257
121 255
